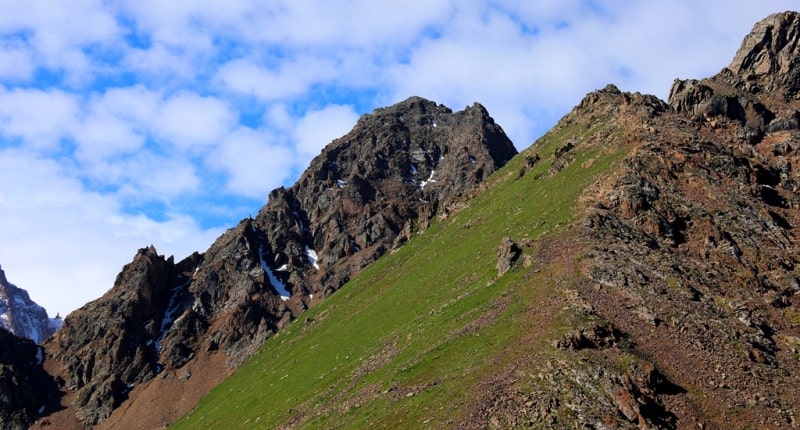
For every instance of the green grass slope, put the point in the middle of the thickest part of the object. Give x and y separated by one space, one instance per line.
415 339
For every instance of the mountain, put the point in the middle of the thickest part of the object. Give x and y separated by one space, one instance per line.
636 267
21 316
167 332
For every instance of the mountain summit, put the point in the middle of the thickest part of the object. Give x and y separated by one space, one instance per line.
182 327
22 316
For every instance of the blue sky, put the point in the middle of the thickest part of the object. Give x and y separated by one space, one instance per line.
125 123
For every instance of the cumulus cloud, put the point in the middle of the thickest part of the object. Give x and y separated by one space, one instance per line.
252 162
66 243
37 118
318 128
189 120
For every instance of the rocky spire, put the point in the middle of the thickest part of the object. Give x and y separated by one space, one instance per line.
769 56
759 89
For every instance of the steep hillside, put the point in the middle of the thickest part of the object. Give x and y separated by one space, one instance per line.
145 352
635 268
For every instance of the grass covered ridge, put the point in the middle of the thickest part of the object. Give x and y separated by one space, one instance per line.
419 334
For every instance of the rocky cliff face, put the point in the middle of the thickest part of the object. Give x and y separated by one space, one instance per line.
22 316
26 390
363 195
695 253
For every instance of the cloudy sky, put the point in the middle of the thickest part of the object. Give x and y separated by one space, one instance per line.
125 123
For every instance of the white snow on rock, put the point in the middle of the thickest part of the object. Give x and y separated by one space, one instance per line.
22 316
341 183
312 257
279 286
413 169
169 315
427 181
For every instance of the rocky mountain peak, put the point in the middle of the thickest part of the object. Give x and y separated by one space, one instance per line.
768 57
759 90
22 316
362 196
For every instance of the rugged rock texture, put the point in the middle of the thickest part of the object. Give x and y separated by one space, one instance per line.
22 316
686 300
366 193
112 343
26 390
695 253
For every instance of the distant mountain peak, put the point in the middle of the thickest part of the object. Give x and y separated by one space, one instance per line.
22 316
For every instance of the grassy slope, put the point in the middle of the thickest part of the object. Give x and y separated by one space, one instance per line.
409 341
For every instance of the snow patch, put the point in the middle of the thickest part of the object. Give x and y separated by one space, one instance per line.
169 315
39 356
341 183
312 257
40 410
284 268
471 159
427 181
5 321
279 286
413 169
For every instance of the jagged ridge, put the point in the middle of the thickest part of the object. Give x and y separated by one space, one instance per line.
365 193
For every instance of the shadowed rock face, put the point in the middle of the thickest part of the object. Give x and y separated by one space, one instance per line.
695 251
363 195
26 390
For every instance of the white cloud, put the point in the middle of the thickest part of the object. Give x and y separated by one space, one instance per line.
293 78
66 244
56 32
160 64
319 127
39 118
16 63
252 164
189 120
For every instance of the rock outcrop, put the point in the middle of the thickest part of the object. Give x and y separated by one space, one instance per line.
22 316
364 194
26 390
695 252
